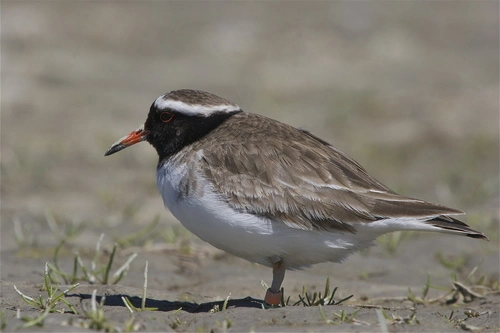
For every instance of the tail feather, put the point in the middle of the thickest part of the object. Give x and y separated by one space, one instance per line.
453 225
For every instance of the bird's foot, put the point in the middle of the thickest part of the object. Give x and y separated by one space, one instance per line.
272 298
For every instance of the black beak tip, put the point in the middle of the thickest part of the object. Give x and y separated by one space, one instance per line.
114 149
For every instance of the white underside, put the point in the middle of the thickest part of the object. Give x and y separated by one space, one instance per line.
261 240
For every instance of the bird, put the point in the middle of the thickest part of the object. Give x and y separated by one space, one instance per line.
271 193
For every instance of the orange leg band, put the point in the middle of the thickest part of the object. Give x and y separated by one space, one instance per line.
273 298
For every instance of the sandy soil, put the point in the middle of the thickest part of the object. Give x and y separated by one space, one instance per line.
410 90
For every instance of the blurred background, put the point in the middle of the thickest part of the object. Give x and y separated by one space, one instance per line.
408 89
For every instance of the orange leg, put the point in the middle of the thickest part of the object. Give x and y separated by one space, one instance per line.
274 294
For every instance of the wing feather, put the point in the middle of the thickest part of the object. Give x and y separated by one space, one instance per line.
313 185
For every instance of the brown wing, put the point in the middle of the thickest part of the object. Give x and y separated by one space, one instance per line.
312 184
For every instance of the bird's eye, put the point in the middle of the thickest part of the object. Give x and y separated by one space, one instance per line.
166 116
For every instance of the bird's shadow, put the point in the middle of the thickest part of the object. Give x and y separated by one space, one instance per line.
166 306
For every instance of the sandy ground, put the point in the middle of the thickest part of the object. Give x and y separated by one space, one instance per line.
410 90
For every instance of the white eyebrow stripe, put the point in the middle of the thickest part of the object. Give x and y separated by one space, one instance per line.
193 109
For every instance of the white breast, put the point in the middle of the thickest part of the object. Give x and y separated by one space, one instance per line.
248 236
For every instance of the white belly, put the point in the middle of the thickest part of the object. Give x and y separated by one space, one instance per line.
246 235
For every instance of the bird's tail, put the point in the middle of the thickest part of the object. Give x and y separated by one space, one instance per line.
452 225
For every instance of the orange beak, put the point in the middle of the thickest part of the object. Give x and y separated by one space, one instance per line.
136 136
